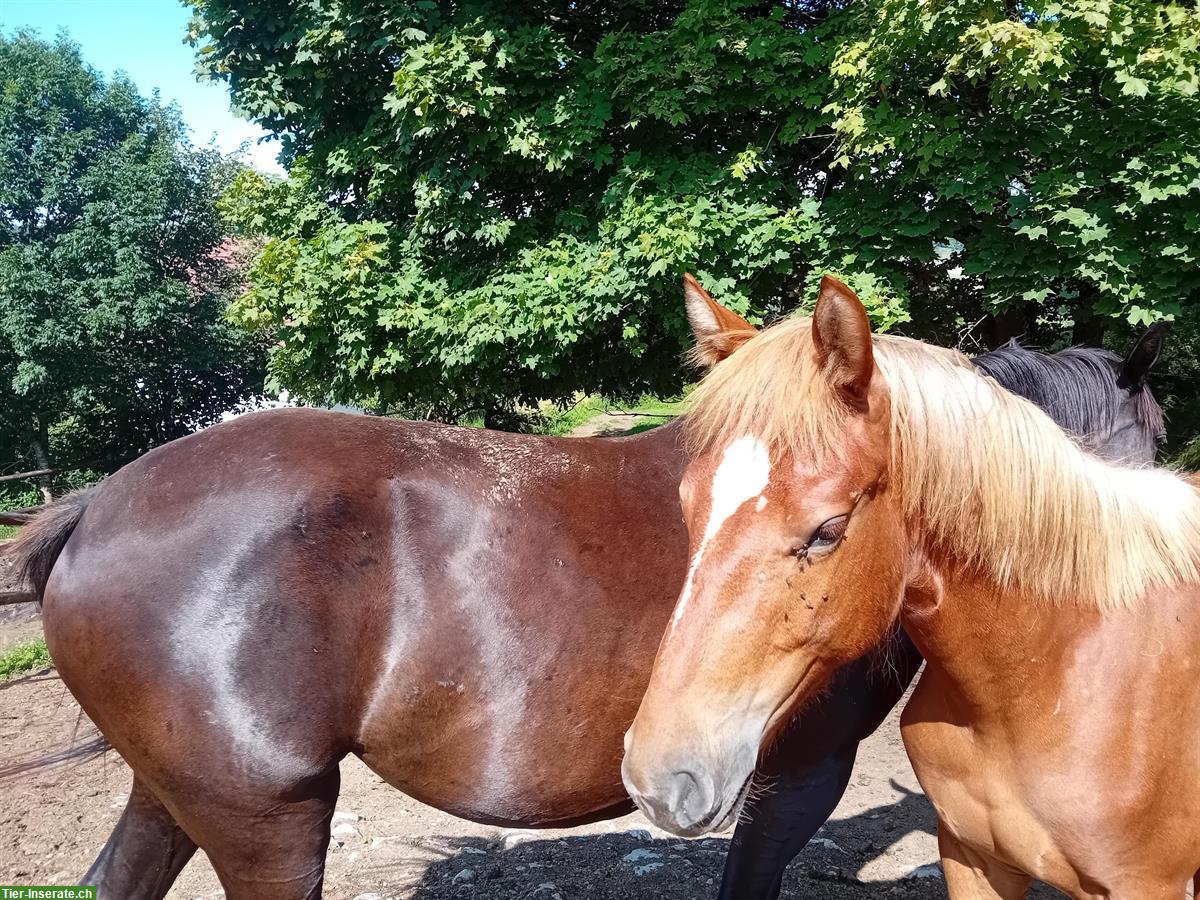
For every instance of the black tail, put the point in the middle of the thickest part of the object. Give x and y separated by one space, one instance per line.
36 761
36 551
40 543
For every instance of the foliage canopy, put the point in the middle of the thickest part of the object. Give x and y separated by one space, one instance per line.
494 201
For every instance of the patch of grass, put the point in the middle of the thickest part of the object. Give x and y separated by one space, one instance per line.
657 406
8 531
647 425
552 420
22 658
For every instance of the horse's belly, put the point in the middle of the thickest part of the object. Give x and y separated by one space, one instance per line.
495 753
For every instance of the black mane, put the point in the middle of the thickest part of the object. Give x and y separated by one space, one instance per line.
1076 387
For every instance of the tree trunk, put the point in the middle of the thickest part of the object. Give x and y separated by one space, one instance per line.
39 444
1088 329
1013 322
1089 332
490 413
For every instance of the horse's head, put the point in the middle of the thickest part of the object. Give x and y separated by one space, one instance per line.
1137 430
797 562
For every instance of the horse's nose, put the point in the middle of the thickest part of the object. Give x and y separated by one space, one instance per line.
684 802
691 800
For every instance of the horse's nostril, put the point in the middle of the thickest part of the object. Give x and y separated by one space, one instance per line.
692 800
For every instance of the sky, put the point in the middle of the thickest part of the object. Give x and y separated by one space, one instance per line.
144 38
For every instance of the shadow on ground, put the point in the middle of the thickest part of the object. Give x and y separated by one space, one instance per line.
608 867
629 865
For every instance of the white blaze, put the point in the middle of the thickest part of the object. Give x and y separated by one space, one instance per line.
742 475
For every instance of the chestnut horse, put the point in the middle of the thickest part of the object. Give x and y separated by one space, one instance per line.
473 613
840 482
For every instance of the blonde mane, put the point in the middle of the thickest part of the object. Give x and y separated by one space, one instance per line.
989 476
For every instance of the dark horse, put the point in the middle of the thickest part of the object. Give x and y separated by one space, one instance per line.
473 613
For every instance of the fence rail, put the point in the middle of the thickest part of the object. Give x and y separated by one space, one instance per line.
12 588
19 516
104 462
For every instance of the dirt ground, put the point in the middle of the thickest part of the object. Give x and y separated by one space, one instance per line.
880 842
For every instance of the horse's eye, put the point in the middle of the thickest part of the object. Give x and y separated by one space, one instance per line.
829 533
826 537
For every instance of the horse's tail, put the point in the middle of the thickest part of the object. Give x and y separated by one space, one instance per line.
40 760
36 551
40 543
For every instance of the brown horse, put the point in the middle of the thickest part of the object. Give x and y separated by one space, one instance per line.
841 482
473 613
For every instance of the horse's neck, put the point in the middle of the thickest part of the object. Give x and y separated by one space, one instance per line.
1007 657
988 645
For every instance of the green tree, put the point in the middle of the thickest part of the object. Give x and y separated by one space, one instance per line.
495 201
114 270
515 189
1057 144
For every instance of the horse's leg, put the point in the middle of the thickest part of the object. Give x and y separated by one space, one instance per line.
807 773
973 876
781 822
145 852
269 845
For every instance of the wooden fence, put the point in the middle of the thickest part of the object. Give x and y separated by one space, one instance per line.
12 589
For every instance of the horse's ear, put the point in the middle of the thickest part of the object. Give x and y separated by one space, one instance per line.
1143 356
719 331
842 335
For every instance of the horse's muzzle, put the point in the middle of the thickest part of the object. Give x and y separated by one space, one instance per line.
689 796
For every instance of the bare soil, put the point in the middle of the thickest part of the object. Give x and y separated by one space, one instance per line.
880 842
